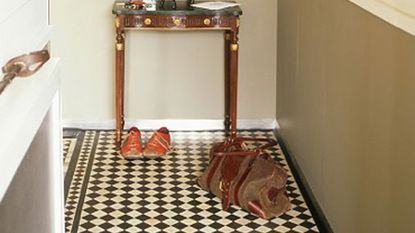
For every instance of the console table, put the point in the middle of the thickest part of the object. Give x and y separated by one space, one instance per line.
182 18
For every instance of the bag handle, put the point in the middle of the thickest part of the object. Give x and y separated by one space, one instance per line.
269 142
241 140
23 66
28 63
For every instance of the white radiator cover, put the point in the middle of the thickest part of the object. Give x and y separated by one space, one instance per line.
31 182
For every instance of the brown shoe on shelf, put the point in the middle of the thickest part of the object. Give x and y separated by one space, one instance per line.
132 148
159 143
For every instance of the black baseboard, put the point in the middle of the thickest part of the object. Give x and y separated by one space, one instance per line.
315 209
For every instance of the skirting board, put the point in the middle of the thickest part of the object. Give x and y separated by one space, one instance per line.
172 124
315 208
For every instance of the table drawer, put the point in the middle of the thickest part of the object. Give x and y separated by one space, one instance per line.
180 22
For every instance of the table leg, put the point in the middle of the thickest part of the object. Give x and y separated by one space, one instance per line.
227 82
234 52
119 79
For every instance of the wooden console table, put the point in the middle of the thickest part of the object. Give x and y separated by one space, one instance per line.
182 18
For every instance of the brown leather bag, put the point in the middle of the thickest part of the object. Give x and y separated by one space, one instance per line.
251 179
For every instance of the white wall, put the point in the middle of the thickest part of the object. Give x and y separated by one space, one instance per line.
175 75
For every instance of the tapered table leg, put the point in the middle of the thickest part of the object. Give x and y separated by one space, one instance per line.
227 83
234 53
119 79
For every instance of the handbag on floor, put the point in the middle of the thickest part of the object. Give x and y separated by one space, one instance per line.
249 178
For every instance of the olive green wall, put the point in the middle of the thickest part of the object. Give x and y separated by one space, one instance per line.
171 75
345 104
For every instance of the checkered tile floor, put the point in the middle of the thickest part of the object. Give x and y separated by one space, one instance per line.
106 193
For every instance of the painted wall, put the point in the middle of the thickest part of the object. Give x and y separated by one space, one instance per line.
399 13
170 74
345 105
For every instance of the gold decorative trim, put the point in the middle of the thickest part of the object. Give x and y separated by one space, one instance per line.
119 46
117 22
177 22
238 23
206 22
177 29
147 21
234 47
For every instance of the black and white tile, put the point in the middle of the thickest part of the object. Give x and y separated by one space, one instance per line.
68 150
110 194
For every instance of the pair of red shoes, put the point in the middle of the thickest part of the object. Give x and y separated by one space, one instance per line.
158 145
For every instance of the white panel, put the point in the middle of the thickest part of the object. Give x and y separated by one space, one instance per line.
26 102
33 176
24 30
10 7
56 165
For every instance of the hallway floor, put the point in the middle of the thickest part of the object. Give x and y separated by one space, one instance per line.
105 193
